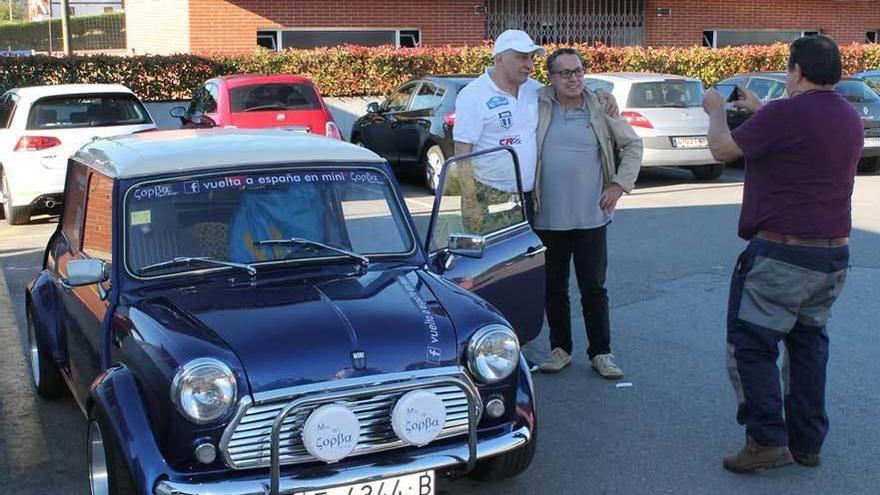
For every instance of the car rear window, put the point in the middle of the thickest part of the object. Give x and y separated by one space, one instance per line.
273 96
93 110
669 93
856 91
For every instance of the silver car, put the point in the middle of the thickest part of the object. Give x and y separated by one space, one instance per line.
666 111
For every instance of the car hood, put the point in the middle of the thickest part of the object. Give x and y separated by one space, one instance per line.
303 332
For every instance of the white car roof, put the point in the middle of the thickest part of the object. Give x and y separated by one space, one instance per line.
638 76
180 151
32 93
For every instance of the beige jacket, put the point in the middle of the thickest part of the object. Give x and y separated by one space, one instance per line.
613 133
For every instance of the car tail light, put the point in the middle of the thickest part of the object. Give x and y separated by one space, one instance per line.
636 119
332 130
36 143
449 119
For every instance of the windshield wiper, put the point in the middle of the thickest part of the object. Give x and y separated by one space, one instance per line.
298 241
274 106
673 105
188 260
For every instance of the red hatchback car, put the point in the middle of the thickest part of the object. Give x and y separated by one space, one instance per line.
256 101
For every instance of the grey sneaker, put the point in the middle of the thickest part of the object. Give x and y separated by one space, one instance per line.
604 365
557 360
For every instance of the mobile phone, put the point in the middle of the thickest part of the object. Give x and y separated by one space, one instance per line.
728 91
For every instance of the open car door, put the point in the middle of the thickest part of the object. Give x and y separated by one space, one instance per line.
479 238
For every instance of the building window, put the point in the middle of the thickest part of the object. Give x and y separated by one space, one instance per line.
871 37
409 37
719 38
314 38
709 39
268 40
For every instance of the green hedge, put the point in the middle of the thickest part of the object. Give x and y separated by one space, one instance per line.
94 32
356 71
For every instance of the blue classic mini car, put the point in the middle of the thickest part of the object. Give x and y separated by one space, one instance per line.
251 312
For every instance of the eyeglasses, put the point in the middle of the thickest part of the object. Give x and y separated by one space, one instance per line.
566 74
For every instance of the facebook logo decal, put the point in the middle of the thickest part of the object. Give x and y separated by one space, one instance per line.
191 187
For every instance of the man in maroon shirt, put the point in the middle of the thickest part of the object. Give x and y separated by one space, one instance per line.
801 155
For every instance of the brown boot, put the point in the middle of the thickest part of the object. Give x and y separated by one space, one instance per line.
808 460
755 456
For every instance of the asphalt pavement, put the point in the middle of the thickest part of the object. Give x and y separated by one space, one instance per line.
663 429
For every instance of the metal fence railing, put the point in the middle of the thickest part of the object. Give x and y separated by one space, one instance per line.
611 22
87 33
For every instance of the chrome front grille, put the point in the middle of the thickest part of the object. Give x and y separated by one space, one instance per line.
246 443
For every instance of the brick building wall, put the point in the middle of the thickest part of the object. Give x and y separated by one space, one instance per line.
231 25
158 27
846 21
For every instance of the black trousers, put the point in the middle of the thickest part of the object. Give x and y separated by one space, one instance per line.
589 249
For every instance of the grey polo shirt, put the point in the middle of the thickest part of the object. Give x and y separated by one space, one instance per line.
571 173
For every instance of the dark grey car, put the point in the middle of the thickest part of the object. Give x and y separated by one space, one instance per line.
771 85
412 128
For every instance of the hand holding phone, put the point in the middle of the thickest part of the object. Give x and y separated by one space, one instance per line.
730 92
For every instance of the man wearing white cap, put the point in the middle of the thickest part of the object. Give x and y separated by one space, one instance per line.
500 108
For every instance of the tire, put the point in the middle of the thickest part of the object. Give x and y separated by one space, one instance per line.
44 372
433 165
15 215
869 165
507 465
708 172
108 471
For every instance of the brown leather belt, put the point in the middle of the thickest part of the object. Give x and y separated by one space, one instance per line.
792 240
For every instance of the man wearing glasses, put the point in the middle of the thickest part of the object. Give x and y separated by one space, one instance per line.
578 182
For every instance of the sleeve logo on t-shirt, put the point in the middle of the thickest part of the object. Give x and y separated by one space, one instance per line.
505 119
509 141
496 101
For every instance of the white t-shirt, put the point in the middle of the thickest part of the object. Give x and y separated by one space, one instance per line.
486 117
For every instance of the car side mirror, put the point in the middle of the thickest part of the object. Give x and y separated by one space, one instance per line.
178 112
468 245
372 107
86 272
201 120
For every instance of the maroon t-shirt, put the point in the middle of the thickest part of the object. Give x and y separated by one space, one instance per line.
801 157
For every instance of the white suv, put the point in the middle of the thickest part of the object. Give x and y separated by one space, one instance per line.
667 112
41 126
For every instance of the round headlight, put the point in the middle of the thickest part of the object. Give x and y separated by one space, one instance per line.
204 389
493 353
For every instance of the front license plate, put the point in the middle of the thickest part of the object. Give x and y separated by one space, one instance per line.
690 142
410 484
872 141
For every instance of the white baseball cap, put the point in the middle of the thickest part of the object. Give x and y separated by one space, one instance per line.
516 40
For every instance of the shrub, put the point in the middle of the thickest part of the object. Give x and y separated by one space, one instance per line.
359 71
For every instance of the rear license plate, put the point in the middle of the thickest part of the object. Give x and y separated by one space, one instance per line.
410 484
872 141
690 142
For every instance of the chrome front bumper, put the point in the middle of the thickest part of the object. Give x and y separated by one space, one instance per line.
389 466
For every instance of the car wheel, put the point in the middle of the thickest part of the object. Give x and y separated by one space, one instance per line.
433 166
44 372
108 472
506 465
708 172
869 165
15 215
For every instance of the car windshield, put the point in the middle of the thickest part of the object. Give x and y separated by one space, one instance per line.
254 217
873 82
670 93
854 90
273 96
96 110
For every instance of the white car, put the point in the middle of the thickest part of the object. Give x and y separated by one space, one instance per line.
666 111
41 126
